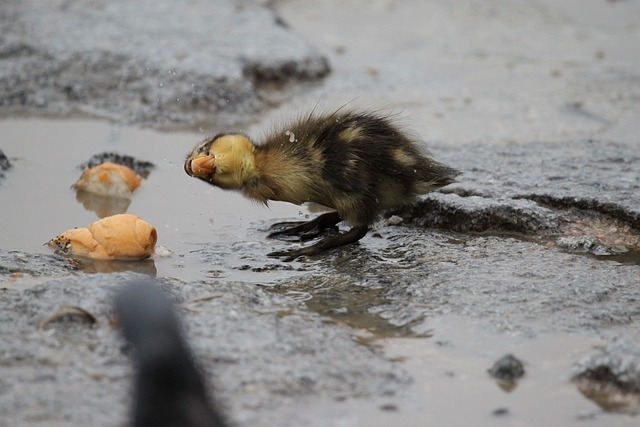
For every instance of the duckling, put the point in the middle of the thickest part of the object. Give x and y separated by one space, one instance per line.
359 164
170 390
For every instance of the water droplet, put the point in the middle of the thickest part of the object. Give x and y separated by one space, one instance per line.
291 135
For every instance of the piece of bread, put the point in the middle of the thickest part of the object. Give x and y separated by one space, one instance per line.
117 237
109 179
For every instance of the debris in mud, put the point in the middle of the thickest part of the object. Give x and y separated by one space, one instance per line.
578 244
610 377
507 371
599 235
394 220
4 164
500 412
68 312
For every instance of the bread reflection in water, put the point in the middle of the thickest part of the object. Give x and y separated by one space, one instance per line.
103 206
89 265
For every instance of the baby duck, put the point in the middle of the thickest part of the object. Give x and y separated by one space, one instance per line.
358 163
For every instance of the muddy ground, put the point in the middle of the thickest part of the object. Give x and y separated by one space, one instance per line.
534 252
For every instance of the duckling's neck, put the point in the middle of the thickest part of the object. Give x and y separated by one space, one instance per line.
277 176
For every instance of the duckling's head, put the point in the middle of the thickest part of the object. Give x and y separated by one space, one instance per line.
226 161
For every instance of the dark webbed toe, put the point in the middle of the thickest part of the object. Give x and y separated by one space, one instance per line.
305 230
353 235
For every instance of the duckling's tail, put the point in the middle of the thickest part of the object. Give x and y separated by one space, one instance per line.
436 175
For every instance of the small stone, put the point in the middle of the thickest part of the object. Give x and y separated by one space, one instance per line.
578 244
500 412
395 220
507 368
4 162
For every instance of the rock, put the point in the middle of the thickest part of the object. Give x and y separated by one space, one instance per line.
507 368
394 220
578 244
610 376
4 164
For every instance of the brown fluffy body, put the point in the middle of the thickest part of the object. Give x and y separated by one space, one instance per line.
360 164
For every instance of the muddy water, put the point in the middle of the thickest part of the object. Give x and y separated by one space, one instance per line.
448 362
37 201
451 386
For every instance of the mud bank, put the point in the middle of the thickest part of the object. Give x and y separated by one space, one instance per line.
138 62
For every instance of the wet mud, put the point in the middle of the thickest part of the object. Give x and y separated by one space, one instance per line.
534 251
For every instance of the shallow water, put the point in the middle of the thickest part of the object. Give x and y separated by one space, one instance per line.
38 203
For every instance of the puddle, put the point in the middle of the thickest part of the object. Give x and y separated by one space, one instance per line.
37 201
351 309
451 386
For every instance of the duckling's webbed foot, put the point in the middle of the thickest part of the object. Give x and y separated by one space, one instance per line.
356 233
306 230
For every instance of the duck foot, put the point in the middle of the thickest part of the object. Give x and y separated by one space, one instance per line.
305 230
356 233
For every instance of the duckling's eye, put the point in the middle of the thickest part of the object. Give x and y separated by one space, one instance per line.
203 148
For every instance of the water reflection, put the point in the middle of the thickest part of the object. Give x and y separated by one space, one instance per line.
610 397
103 206
350 306
88 265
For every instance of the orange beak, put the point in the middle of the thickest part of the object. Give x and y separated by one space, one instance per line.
200 166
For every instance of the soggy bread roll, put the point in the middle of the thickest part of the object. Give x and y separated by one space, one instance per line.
115 237
109 179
